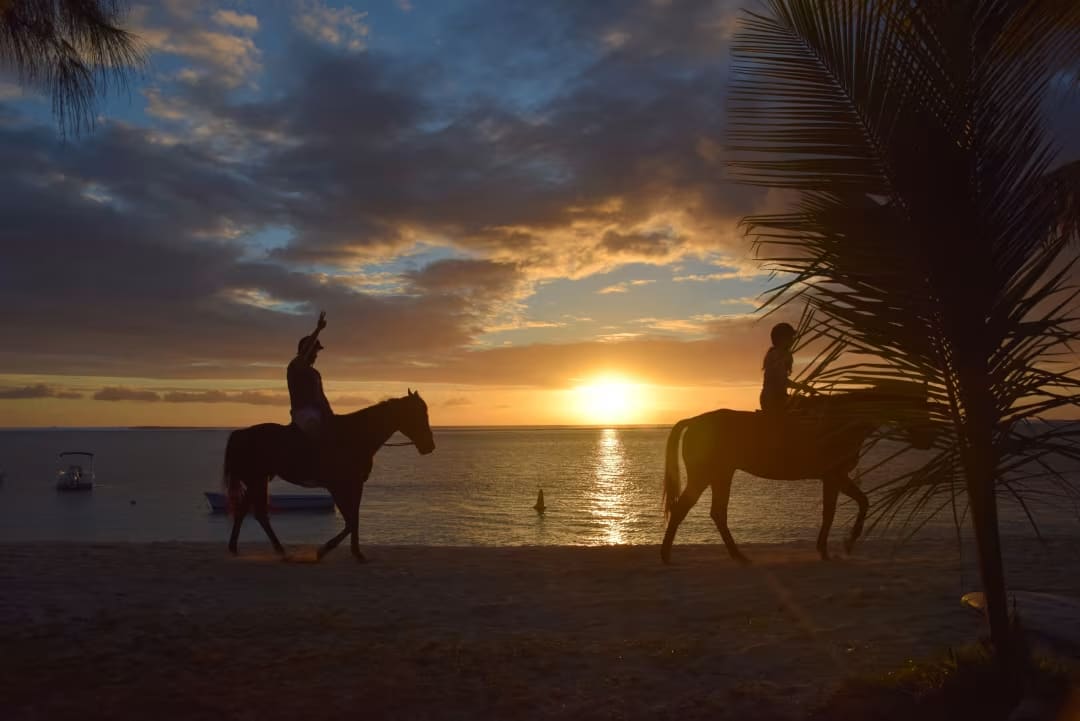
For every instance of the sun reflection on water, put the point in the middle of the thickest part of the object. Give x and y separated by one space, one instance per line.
608 499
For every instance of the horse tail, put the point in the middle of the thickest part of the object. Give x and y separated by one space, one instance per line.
234 488
672 482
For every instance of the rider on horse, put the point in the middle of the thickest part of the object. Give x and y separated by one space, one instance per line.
310 410
777 369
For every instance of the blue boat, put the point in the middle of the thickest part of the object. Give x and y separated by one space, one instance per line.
279 502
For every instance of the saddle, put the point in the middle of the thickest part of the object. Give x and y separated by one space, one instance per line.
311 459
793 431
303 455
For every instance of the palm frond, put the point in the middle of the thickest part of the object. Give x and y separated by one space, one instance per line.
75 49
931 238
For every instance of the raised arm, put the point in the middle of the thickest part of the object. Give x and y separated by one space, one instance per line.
307 353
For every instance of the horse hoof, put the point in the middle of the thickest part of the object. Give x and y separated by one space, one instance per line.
743 561
848 545
232 550
665 556
360 558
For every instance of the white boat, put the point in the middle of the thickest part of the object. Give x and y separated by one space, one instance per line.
79 472
279 502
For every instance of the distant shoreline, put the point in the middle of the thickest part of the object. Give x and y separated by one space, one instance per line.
641 426
526 427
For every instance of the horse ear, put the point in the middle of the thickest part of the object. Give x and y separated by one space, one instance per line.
411 393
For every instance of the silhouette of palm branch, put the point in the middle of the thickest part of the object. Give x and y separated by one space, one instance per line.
931 236
75 49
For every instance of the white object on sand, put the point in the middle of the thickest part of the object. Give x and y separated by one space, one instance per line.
1048 615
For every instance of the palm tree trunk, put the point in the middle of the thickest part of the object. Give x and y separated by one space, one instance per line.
980 469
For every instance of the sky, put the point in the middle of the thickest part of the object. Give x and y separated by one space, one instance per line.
519 208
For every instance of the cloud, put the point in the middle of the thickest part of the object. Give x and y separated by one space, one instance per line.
420 196
752 301
224 58
624 287
118 393
10 90
233 19
345 401
258 398
457 401
477 278
339 27
39 390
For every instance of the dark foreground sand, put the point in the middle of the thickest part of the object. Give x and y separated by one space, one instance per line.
183 631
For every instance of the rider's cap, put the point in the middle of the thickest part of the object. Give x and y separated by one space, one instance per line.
304 341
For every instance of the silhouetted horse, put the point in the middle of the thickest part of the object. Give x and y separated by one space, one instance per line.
253 456
822 441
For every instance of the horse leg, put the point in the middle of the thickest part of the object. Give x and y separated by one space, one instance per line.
239 512
261 504
355 523
829 489
342 504
686 501
849 489
721 492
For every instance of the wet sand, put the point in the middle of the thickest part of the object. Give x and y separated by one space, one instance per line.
184 631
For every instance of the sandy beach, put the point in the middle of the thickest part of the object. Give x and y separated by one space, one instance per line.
184 631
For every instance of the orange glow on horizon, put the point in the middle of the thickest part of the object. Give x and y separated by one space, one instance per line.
599 398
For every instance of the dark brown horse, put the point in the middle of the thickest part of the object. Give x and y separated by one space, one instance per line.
822 441
253 456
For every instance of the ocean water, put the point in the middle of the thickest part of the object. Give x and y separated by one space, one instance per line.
601 486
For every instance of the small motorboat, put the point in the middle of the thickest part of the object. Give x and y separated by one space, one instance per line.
76 471
279 502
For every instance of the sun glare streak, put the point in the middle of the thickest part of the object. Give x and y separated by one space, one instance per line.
608 499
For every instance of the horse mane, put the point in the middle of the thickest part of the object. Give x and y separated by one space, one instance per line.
371 410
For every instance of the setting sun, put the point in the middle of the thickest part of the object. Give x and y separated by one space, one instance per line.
610 399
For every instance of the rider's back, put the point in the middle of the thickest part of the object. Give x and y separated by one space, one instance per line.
306 389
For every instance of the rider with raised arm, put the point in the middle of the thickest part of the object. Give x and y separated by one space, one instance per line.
310 410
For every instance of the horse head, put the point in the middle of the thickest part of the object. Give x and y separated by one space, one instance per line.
413 422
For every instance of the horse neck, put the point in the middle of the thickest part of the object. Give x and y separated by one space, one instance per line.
871 408
378 422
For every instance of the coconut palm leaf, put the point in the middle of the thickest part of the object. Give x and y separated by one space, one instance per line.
931 238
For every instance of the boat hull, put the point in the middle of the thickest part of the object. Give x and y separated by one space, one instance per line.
68 487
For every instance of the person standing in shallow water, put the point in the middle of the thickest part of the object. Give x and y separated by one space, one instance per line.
777 369
309 408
